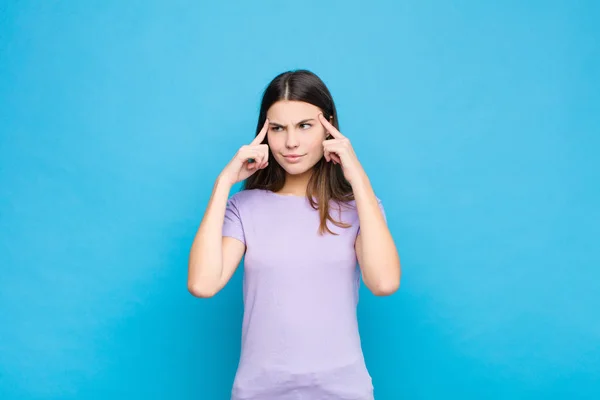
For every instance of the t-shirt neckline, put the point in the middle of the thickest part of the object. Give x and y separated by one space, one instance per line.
286 196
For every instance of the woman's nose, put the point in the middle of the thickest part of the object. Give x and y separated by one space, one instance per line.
292 140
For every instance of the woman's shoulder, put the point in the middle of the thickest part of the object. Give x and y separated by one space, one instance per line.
351 204
349 207
248 196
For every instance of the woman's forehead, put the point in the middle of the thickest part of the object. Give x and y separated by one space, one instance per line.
286 111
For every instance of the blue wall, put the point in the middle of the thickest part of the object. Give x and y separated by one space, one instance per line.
477 122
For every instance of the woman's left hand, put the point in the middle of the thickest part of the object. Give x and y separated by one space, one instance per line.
340 151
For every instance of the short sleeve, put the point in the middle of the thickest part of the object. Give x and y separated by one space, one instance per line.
382 212
232 224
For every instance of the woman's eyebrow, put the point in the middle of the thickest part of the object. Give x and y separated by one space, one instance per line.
301 122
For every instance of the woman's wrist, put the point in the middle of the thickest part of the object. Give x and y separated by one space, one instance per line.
224 182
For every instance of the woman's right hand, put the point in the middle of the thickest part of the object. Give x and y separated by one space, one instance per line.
239 168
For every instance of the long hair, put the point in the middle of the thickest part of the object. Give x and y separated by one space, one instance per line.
327 181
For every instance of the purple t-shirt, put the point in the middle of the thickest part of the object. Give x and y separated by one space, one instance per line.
300 337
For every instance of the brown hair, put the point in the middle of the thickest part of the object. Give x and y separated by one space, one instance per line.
327 181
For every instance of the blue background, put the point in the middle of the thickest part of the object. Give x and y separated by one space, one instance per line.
476 121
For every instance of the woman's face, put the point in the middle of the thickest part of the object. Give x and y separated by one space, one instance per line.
295 135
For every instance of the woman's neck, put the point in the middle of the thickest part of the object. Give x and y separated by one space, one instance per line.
296 184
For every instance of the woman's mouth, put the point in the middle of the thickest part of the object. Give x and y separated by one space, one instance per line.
293 158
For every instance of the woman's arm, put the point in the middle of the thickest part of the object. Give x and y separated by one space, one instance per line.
375 249
213 257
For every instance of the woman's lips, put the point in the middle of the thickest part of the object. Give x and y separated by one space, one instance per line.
293 158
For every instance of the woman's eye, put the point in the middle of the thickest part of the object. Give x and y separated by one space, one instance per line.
276 128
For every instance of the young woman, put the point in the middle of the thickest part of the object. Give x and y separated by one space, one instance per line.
308 225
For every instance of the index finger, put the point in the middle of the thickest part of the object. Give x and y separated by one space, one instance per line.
330 128
261 135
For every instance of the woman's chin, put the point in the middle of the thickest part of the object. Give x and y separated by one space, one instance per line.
296 169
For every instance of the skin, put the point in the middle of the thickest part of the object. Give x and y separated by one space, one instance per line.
293 127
